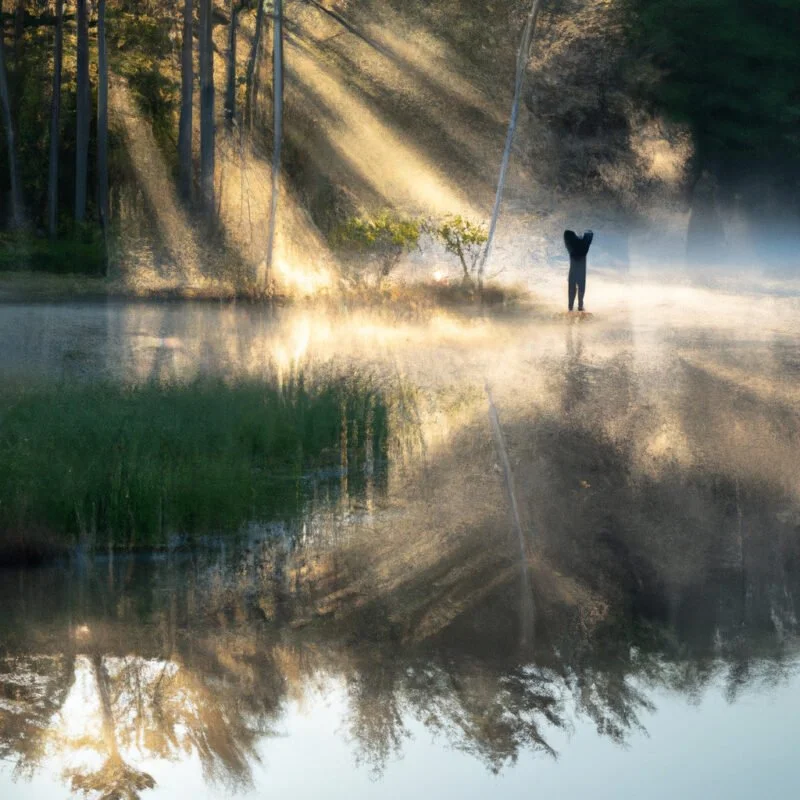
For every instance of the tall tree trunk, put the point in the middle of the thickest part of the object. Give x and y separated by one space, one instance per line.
55 123
102 117
252 64
19 27
19 51
17 205
84 102
277 124
106 707
705 236
187 105
123 780
230 73
206 106
522 63
527 607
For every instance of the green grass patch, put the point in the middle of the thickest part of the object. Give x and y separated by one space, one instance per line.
83 255
128 466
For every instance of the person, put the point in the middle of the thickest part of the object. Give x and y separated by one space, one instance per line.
577 247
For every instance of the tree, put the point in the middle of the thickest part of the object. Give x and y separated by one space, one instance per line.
17 205
522 63
464 239
230 68
385 236
55 123
277 124
84 102
102 117
115 779
705 235
187 105
207 133
19 35
251 86
729 70
19 56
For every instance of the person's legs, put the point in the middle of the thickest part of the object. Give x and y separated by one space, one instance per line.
581 291
572 288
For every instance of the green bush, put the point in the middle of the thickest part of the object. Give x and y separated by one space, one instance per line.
386 236
463 239
85 255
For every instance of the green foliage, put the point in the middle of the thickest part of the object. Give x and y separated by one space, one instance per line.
729 69
139 45
386 235
463 238
84 254
134 464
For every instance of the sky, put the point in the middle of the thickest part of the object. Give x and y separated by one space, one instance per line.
711 748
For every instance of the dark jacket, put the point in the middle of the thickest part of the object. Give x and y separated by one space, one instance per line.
577 247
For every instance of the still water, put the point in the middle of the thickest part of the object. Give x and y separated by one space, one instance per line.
575 572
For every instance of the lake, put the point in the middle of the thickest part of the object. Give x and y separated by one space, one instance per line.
547 555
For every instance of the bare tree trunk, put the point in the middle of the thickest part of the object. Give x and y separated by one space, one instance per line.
463 265
206 106
106 708
522 63
55 123
19 49
251 87
527 607
19 27
17 205
84 102
277 123
187 106
127 781
102 117
705 236
230 74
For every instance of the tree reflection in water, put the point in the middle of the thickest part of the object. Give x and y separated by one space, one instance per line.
145 682
663 517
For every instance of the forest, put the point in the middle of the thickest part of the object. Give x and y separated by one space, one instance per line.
140 133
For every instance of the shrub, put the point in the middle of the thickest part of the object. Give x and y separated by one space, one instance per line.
386 236
462 238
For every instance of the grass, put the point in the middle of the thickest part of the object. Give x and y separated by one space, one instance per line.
85 257
130 465
22 286
432 294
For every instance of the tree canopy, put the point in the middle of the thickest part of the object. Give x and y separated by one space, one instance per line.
729 69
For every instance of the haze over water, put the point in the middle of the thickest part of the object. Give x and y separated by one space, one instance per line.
632 632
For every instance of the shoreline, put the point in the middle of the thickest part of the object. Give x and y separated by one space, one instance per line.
31 287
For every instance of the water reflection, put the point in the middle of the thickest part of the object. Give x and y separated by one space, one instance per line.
112 666
655 471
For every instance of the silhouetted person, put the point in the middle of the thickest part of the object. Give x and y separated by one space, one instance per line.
578 247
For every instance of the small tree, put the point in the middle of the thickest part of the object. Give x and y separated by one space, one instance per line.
386 235
464 239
